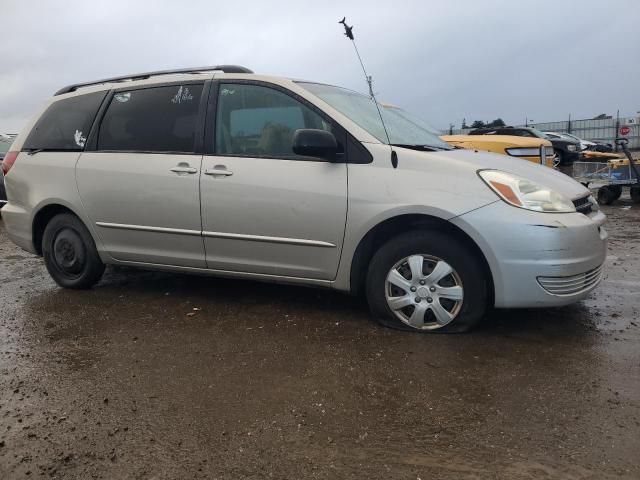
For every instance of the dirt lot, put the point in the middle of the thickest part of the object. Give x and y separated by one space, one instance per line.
156 376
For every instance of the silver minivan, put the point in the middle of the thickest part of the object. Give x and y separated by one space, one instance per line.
221 171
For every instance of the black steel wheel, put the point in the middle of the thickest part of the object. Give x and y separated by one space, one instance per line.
607 194
70 253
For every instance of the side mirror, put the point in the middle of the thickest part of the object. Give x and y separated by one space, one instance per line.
315 143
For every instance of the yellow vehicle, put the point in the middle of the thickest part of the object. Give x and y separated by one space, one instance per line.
600 156
526 148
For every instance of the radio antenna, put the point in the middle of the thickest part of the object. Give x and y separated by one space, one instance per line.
348 32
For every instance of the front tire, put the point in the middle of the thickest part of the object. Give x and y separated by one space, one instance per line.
427 281
70 253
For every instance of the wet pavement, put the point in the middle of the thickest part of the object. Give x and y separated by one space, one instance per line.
155 375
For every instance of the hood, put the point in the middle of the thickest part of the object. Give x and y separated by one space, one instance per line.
473 161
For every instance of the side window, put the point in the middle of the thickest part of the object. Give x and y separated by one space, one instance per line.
65 124
156 119
253 120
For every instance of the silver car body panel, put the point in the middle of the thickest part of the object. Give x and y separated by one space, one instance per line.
142 209
297 221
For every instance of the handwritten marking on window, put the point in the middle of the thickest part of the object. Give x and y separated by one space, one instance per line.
79 138
123 97
183 95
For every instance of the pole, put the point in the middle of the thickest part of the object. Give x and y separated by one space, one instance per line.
615 135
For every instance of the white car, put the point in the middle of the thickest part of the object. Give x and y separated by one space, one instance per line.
224 172
584 144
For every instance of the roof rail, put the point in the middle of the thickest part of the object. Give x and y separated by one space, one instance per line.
144 76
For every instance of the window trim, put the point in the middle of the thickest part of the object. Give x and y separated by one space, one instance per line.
92 140
211 122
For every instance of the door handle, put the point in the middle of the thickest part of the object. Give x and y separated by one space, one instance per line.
218 170
183 168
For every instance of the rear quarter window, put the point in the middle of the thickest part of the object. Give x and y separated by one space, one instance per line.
65 124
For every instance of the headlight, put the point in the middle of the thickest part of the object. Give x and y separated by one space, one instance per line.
523 193
528 151
523 152
571 147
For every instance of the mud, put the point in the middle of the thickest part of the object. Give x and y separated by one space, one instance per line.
155 375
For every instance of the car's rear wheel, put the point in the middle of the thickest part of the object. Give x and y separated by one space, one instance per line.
70 253
608 194
427 282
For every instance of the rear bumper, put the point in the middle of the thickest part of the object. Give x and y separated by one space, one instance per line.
529 252
18 224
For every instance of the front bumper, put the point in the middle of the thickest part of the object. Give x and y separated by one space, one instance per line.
528 252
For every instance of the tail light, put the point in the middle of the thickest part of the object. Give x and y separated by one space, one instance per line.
9 160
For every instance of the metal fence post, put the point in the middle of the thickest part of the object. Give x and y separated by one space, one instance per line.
615 135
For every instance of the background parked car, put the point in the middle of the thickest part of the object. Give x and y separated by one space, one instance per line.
584 144
5 143
526 148
602 146
567 151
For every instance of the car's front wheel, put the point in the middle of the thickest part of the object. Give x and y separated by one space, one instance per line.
70 253
427 281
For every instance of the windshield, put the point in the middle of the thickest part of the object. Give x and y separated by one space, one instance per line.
403 128
537 133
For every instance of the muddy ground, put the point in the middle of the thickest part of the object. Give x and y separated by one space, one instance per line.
164 376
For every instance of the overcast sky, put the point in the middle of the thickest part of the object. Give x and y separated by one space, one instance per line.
444 60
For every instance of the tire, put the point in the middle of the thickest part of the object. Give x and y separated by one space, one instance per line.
559 157
607 195
70 253
440 250
617 191
635 194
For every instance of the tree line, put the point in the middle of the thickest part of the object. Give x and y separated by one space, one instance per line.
498 122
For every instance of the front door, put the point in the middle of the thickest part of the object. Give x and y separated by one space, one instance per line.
140 184
264 209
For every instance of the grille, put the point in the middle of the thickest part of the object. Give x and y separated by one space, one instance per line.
583 205
572 285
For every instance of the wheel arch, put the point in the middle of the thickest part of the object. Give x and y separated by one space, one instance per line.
43 216
390 227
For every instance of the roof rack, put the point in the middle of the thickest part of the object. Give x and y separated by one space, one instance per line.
144 76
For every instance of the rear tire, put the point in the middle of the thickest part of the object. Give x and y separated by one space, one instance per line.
70 253
635 194
607 195
427 281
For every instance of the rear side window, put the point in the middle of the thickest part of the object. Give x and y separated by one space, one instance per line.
65 124
157 119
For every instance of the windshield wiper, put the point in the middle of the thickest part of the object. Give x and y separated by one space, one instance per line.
422 148
33 151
